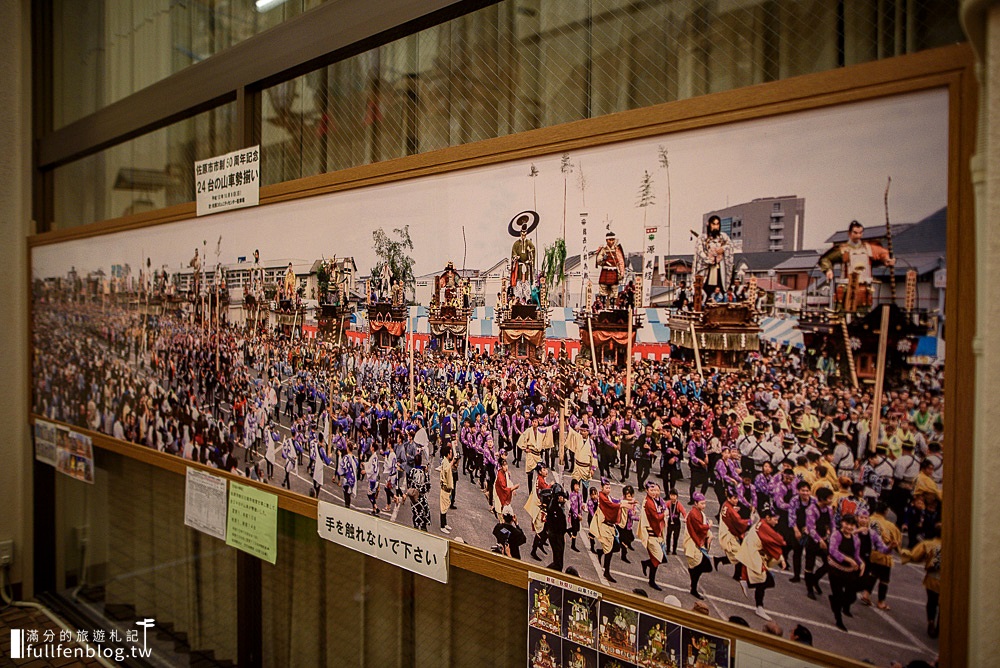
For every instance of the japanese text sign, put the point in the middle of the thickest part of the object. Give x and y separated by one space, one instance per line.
253 521
415 551
205 503
230 181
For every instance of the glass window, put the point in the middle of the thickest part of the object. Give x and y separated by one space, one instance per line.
149 172
326 605
124 554
105 50
516 66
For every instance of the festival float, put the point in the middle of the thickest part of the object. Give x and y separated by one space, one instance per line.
544 614
577 659
449 312
287 310
718 329
336 302
523 311
580 624
702 653
386 311
655 652
717 334
609 322
543 656
853 329
618 635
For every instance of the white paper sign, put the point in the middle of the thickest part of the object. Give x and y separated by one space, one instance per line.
648 260
941 278
416 551
569 586
230 181
205 503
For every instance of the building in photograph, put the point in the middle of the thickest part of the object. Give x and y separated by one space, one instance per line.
764 225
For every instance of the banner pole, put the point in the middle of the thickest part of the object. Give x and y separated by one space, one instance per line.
593 352
628 364
694 343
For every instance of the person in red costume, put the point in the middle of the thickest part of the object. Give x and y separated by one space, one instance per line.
604 525
731 531
651 524
537 510
503 489
762 546
697 543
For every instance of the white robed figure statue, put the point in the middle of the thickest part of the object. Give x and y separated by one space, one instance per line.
713 258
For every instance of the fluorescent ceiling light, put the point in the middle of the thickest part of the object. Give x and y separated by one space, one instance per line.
265 5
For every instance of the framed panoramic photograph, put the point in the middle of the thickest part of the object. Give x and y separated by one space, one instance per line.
708 364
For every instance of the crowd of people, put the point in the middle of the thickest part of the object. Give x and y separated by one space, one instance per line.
780 447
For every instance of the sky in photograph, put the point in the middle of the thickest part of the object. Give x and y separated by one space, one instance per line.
837 158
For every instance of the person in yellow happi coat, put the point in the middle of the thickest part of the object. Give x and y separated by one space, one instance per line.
447 485
762 547
925 483
928 553
579 443
533 440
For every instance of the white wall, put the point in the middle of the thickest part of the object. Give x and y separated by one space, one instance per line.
15 212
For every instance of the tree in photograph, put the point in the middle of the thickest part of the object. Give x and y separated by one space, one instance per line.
327 280
554 266
646 198
396 254
581 183
323 281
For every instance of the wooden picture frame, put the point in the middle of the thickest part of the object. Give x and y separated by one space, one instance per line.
949 68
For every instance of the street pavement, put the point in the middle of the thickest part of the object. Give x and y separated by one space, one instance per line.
873 635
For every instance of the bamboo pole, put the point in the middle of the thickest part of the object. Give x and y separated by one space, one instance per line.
565 186
593 351
888 240
849 351
562 430
412 344
694 344
876 421
218 326
628 364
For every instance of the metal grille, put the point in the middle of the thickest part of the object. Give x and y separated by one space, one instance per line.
105 50
146 173
326 605
129 556
516 66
